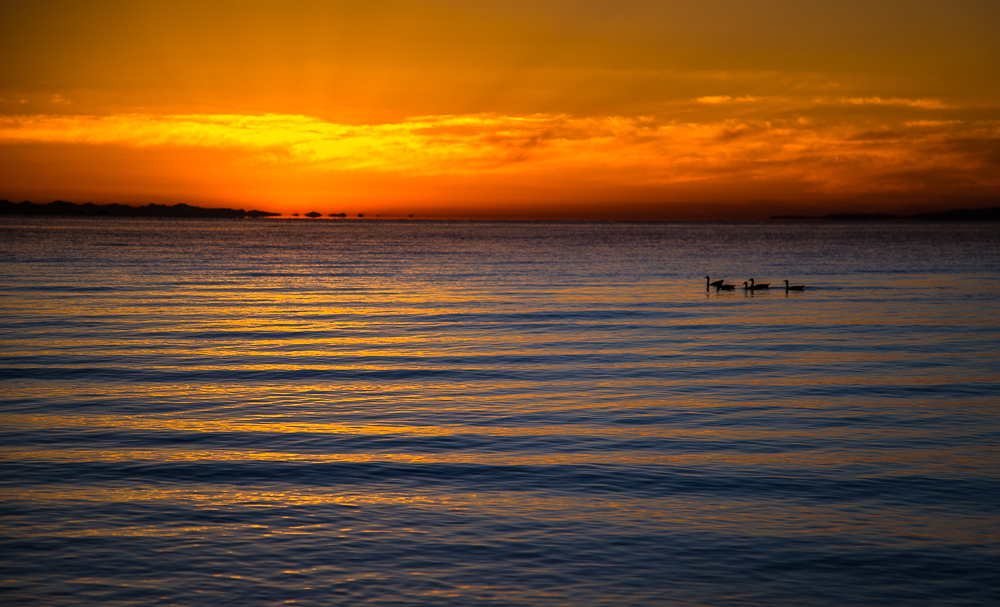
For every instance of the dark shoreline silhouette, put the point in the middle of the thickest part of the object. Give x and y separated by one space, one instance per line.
990 214
62 207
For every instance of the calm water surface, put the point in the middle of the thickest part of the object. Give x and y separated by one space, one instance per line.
268 412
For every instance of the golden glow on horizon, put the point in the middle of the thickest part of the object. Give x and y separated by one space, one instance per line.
796 156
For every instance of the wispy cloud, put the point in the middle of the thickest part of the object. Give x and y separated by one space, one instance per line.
930 104
828 158
717 99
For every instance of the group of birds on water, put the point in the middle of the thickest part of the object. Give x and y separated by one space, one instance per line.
720 285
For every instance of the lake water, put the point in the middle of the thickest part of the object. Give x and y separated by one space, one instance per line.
238 412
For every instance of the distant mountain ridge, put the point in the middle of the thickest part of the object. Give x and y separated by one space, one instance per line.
62 207
990 214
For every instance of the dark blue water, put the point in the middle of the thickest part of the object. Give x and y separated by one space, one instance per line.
292 412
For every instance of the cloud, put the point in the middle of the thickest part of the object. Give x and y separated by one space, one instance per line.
826 157
717 99
930 104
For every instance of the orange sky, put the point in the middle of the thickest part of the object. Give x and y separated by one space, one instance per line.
721 109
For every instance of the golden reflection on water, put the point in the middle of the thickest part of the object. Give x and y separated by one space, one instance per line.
685 345
679 511
278 424
788 461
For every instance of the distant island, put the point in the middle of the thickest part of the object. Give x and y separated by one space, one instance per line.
61 207
990 214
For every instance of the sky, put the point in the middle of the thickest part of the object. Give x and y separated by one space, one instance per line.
541 109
